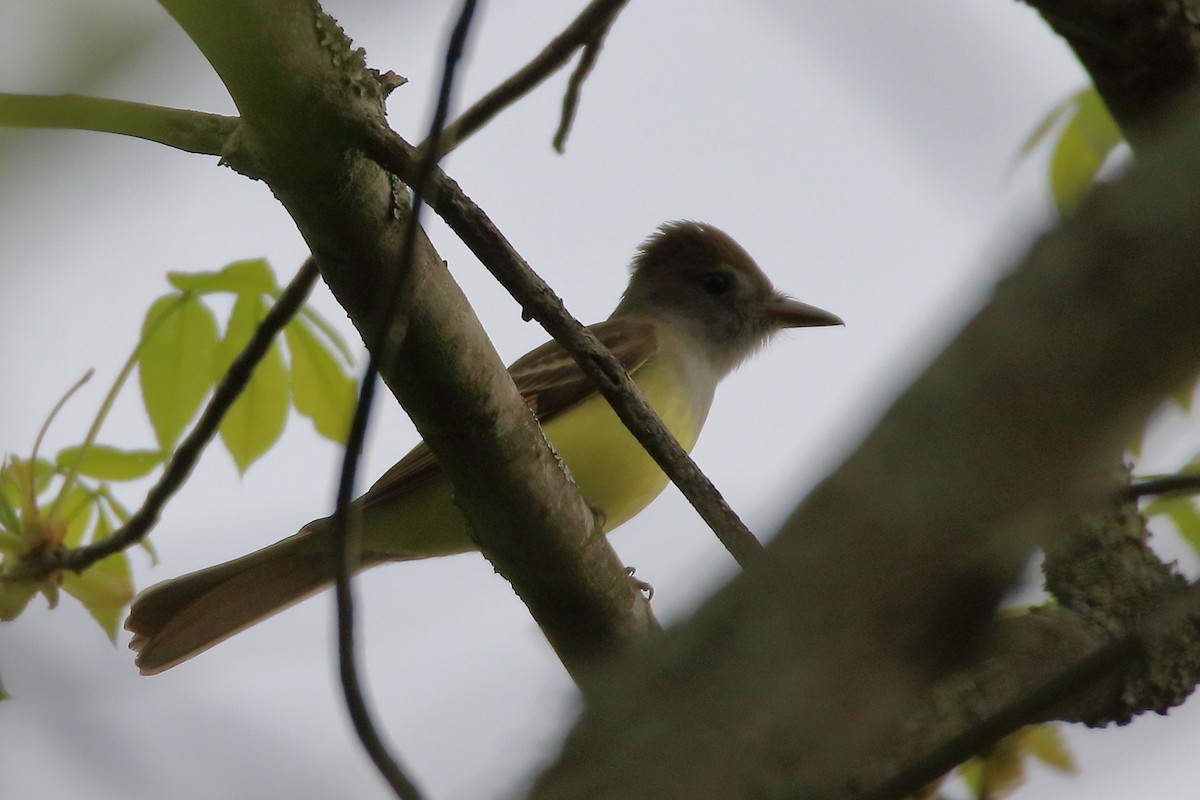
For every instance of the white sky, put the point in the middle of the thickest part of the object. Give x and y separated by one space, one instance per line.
863 152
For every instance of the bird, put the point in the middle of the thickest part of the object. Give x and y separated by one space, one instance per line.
696 306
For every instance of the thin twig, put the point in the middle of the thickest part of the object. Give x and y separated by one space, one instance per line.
570 102
38 564
387 345
190 131
1183 484
539 302
589 27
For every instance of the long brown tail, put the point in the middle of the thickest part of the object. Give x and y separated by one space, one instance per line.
177 619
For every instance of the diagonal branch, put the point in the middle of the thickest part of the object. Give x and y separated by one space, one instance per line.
302 94
570 102
190 131
41 563
397 296
583 32
540 302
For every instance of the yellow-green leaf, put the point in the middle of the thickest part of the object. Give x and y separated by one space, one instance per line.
9 520
253 276
14 597
335 339
15 480
1087 139
1182 513
76 510
104 588
256 419
108 463
175 363
321 390
1045 743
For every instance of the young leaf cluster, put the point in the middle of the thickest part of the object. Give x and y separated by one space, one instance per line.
67 501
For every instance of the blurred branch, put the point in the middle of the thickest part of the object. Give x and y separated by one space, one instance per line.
40 563
1170 484
540 302
585 31
396 295
1142 55
190 131
885 579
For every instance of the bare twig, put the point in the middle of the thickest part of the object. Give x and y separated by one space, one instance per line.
1171 484
382 354
41 563
570 103
585 30
540 302
190 131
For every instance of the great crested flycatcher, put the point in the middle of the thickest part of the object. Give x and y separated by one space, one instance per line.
696 306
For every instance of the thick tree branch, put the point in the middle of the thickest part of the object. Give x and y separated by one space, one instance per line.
1143 55
191 131
885 579
397 295
302 92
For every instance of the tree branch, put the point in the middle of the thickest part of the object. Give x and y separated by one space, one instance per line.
570 103
397 296
885 579
540 302
1143 56
190 131
589 27
303 95
40 563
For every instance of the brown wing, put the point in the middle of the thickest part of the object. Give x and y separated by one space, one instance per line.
549 380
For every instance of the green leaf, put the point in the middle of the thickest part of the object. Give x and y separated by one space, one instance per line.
76 510
1182 512
14 480
321 390
241 277
9 520
104 588
14 597
108 463
1087 139
175 363
256 419
330 333
3 694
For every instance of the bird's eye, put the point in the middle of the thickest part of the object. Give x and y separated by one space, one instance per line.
716 283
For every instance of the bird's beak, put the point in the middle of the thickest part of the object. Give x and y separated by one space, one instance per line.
788 313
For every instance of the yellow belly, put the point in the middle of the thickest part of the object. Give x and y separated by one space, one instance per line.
608 465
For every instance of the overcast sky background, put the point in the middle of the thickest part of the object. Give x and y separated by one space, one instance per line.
862 152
